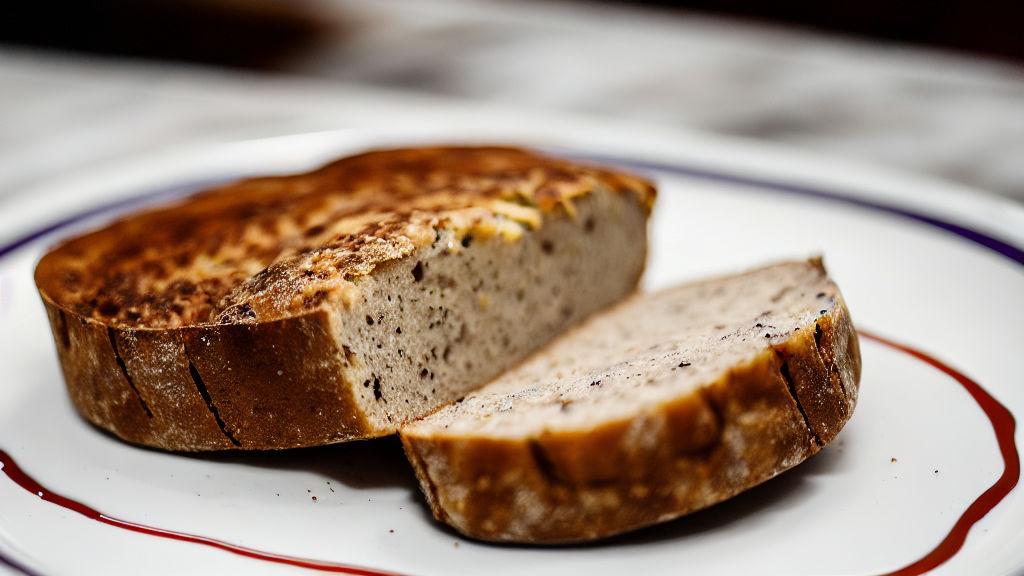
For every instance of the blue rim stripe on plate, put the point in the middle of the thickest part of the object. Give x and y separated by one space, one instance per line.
140 201
994 244
988 241
13 564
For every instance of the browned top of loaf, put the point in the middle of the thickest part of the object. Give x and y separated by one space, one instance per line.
273 247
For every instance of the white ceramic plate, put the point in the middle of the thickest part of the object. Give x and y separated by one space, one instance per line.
921 262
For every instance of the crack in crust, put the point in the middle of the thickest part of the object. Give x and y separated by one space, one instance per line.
124 370
717 412
832 370
791 388
63 332
545 466
198 380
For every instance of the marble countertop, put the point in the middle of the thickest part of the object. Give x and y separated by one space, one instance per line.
951 116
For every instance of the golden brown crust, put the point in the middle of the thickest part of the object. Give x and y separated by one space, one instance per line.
756 421
269 248
201 326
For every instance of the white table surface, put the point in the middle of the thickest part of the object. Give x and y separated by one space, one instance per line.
955 117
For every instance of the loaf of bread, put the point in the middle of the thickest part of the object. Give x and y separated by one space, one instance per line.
338 304
663 405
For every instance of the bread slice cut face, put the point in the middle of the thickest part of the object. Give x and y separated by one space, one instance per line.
337 304
663 405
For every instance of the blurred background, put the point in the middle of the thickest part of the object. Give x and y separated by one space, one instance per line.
931 86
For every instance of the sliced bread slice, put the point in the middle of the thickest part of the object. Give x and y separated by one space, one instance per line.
315 308
663 405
